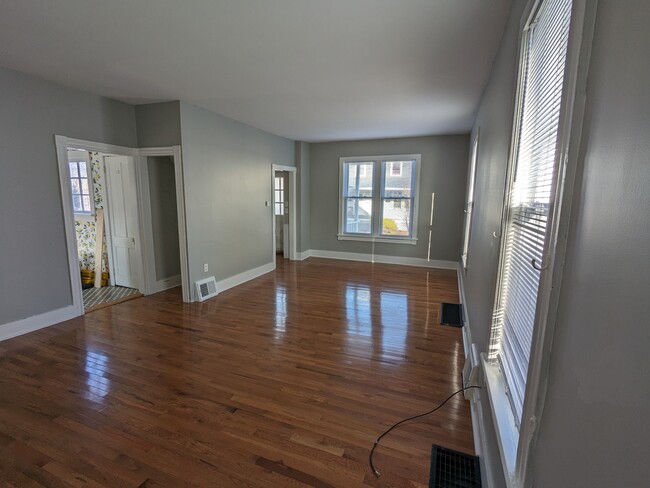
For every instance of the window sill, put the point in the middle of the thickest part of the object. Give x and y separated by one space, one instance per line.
504 421
389 240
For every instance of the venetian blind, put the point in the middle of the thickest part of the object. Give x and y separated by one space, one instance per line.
530 194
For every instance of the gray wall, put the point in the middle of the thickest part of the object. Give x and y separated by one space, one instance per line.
159 124
593 430
302 153
228 179
34 273
443 171
164 216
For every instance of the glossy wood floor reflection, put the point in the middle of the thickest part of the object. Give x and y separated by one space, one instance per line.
284 381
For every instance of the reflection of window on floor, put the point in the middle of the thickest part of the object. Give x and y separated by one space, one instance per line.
280 309
96 366
357 310
394 309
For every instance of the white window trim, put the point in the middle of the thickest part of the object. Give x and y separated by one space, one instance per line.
515 444
376 198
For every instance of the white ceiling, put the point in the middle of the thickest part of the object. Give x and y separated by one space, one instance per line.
308 70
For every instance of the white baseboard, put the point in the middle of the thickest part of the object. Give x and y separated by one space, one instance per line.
165 284
378 258
245 276
35 322
302 255
476 407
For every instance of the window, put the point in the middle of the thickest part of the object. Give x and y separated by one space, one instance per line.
378 198
469 207
80 182
395 168
529 207
279 195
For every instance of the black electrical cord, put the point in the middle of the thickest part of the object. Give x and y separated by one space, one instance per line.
372 451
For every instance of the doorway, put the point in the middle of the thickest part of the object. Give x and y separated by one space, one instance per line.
104 204
283 211
161 220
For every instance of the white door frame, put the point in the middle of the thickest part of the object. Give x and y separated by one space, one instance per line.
151 285
291 170
62 145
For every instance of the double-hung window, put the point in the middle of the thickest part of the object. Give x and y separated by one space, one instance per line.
80 182
378 198
533 194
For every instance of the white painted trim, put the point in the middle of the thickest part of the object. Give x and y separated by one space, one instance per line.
293 234
166 284
387 240
151 285
95 146
245 276
62 144
69 226
378 258
302 255
35 322
476 405
378 183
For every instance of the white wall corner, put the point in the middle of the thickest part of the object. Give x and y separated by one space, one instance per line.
36 322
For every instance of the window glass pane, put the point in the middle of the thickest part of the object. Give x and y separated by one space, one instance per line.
396 218
76 187
74 171
82 169
76 203
358 215
358 178
86 204
84 187
398 179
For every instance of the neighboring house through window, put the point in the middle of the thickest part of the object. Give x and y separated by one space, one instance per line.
378 198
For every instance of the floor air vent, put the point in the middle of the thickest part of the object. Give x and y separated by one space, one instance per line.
451 469
451 314
206 288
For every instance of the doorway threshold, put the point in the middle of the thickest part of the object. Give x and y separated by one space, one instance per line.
96 298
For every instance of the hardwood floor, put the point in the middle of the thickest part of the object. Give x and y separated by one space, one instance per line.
284 381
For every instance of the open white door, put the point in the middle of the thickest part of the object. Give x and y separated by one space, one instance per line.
123 220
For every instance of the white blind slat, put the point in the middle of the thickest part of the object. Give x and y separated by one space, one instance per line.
530 193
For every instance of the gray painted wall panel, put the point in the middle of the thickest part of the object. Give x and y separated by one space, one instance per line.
443 171
164 216
159 124
34 275
228 178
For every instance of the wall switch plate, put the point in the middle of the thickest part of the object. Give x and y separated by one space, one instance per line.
267 203
205 268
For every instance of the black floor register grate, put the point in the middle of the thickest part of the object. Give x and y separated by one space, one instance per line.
451 469
451 314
